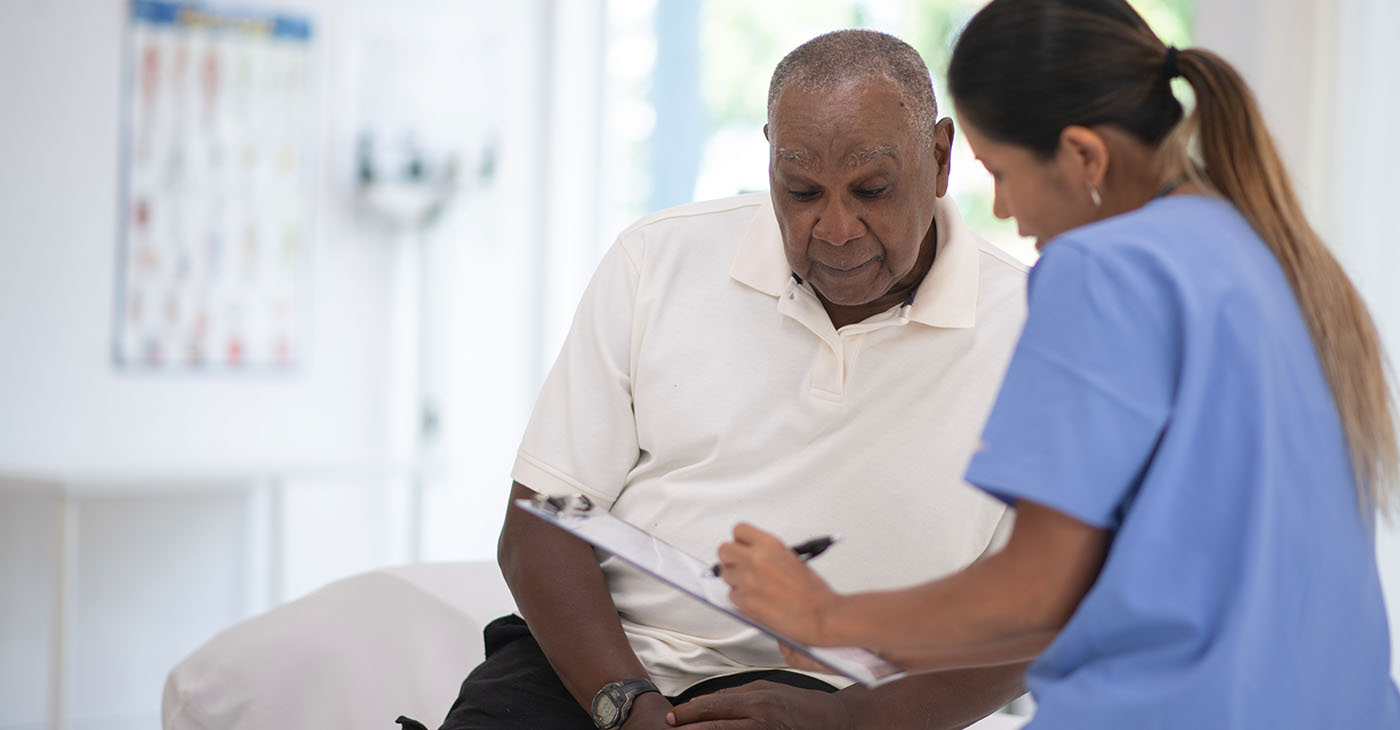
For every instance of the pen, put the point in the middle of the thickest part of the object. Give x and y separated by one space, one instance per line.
806 551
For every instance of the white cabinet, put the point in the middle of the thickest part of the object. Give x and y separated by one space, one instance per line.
105 583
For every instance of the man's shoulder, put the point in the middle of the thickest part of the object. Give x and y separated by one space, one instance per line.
993 262
683 235
702 215
1002 286
998 261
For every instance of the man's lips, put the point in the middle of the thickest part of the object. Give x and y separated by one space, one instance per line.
840 271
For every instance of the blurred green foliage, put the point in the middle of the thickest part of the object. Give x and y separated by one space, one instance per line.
742 40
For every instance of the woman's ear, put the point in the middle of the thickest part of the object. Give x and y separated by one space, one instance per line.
1084 154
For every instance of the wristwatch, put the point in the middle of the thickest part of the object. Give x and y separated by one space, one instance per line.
613 703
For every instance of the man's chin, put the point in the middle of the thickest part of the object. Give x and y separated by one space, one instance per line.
847 295
849 287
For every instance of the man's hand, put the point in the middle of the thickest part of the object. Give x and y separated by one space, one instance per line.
765 706
648 713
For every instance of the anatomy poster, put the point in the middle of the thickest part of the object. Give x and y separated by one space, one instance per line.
217 189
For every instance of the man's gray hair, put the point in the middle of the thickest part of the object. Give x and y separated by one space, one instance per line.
832 59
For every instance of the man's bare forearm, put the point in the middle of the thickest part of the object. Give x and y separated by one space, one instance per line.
937 701
560 591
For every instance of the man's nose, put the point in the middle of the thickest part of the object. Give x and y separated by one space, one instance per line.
837 223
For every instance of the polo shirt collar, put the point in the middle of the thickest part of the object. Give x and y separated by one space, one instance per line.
947 297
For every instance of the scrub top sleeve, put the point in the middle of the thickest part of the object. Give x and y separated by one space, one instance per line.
582 435
1088 390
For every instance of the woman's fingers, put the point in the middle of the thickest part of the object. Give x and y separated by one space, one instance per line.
799 660
746 534
768 582
751 551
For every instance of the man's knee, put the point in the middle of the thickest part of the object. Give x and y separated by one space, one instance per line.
514 688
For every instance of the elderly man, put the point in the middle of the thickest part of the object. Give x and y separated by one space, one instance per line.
818 360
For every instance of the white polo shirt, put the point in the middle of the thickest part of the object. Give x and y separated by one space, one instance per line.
702 384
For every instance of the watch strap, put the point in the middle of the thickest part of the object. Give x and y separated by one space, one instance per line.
622 694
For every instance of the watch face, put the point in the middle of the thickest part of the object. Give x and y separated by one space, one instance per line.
604 710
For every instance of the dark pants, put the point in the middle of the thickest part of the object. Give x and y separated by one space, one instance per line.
517 689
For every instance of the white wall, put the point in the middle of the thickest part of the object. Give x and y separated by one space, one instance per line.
28 557
187 501
162 548
65 408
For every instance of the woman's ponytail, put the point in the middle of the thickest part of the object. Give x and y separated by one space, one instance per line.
1242 163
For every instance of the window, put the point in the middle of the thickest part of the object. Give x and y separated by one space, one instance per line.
688 84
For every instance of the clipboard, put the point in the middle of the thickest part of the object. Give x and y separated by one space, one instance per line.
690 575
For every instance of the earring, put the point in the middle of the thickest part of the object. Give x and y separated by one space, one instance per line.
1094 195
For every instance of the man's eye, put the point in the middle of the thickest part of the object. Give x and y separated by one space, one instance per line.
872 192
803 196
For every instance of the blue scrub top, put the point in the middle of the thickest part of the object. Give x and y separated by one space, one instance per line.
1165 388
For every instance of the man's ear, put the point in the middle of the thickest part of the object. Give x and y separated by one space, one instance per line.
765 132
1084 154
943 153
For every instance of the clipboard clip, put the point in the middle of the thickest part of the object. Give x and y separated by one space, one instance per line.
561 505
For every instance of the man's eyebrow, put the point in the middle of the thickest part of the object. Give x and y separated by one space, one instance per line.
860 157
802 159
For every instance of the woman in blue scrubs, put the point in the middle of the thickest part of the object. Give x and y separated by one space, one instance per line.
1195 430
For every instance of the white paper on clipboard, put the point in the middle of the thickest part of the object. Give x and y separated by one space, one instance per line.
688 574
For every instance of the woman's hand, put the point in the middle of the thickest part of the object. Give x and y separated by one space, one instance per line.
768 583
799 660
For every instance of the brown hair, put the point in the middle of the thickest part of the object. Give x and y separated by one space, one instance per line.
1023 70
